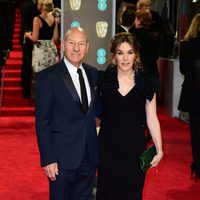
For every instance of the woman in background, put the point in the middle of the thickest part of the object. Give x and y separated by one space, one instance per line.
128 98
45 33
190 95
156 22
149 42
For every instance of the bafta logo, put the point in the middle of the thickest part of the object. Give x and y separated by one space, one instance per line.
75 4
101 29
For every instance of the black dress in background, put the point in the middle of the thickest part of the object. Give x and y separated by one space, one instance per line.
122 139
44 53
190 97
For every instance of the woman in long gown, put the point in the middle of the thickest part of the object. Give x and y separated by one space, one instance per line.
128 99
45 34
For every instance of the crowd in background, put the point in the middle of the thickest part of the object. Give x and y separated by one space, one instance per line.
29 10
127 14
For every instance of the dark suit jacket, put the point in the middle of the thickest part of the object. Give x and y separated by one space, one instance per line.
119 29
7 12
4 40
4 44
64 131
190 97
28 12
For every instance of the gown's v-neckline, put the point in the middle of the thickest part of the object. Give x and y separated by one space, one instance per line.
126 93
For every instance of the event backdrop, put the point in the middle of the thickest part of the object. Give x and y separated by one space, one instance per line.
97 17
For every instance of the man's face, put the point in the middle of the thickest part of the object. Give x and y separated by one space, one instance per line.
146 6
137 23
75 46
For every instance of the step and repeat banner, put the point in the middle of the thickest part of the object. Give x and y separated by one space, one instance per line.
97 17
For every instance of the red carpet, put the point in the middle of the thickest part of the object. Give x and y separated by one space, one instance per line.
171 180
21 175
23 179
12 103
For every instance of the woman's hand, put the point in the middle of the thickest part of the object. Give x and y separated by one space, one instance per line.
58 21
27 35
156 159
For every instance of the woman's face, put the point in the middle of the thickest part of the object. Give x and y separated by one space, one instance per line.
125 57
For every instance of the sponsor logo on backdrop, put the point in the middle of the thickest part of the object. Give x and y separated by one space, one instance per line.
101 29
75 24
75 4
101 56
102 5
94 16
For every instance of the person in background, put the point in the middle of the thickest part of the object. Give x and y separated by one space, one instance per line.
65 120
128 18
45 33
160 27
28 10
156 22
57 3
128 97
131 1
4 42
190 95
4 46
122 8
149 42
56 12
7 14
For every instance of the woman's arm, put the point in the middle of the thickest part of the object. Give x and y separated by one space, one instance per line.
154 128
56 32
36 27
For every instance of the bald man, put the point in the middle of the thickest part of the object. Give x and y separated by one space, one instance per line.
66 130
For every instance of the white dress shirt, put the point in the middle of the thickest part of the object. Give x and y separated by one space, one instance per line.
75 78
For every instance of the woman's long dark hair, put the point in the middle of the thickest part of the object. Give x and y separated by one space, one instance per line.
118 39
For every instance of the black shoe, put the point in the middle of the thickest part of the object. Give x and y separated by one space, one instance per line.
195 172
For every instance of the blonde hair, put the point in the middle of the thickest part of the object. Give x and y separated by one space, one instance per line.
140 3
47 5
194 29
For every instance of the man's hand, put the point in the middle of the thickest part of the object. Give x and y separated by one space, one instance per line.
51 171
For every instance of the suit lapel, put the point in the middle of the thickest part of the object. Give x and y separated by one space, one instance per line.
70 86
91 83
68 82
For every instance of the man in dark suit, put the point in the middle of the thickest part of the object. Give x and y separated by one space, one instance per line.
4 43
57 3
28 10
128 18
66 130
7 13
